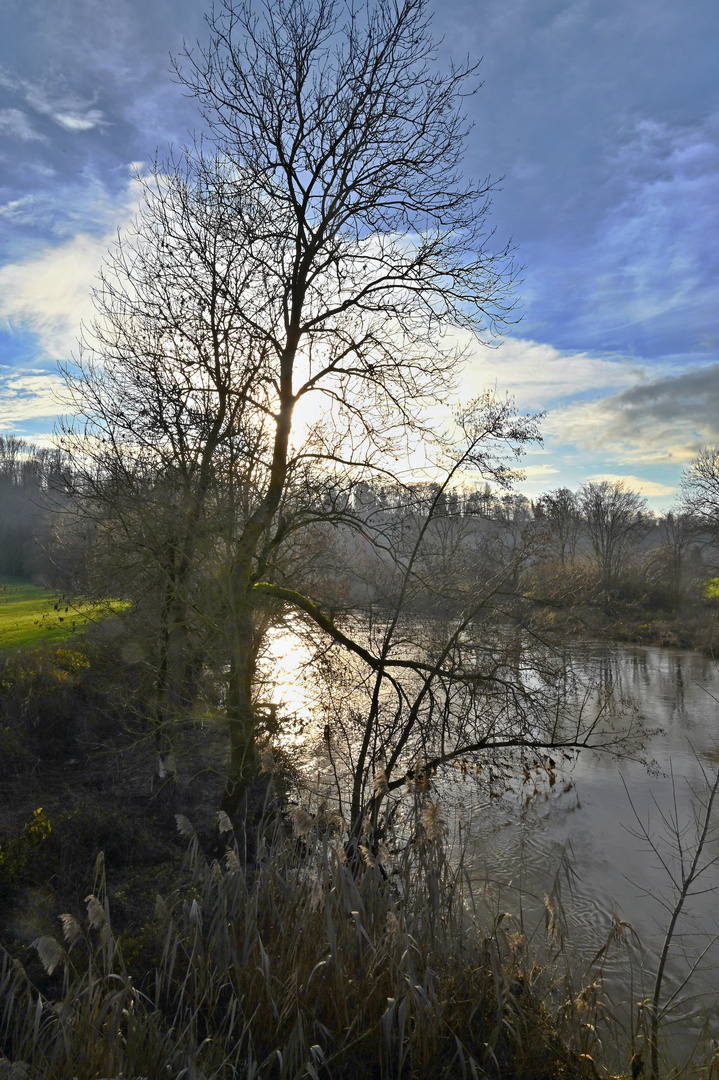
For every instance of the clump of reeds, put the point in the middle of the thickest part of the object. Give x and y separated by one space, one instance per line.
302 964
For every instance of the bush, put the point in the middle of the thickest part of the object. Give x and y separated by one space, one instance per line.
16 850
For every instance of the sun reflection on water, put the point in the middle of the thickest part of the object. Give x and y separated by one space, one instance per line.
290 686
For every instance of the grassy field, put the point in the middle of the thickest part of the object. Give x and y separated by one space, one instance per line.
31 615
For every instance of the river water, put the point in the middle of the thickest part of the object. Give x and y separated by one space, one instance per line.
579 840
584 841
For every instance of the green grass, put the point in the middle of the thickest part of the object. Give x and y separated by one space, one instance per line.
31 615
711 589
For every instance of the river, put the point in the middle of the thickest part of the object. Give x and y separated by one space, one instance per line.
579 840
594 832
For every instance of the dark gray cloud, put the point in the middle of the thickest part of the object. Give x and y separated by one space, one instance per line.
666 420
693 395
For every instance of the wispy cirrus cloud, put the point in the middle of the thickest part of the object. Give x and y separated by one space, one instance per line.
84 205
28 394
660 237
16 124
646 279
53 98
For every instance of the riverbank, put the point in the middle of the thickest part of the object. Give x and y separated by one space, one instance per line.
695 628
175 953
388 971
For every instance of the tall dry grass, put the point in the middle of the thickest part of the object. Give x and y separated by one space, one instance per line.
298 965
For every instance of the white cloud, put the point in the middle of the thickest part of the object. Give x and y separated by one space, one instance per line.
28 394
17 125
53 99
538 472
537 375
75 121
49 292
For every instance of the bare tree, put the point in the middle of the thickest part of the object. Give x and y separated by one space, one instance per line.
362 242
559 510
323 247
700 493
613 517
684 860
670 561
165 400
458 687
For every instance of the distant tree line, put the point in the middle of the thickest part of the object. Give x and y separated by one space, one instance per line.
602 530
603 537
31 482
599 539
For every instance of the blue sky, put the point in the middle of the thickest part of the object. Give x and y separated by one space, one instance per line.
601 116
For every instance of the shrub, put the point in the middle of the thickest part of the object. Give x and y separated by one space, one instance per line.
15 850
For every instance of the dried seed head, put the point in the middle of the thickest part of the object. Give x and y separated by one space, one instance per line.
368 856
232 862
434 824
381 786
552 919
185 827
95 912
50 952
302 822
70 928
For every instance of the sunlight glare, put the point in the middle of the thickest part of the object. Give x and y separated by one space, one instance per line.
289 683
